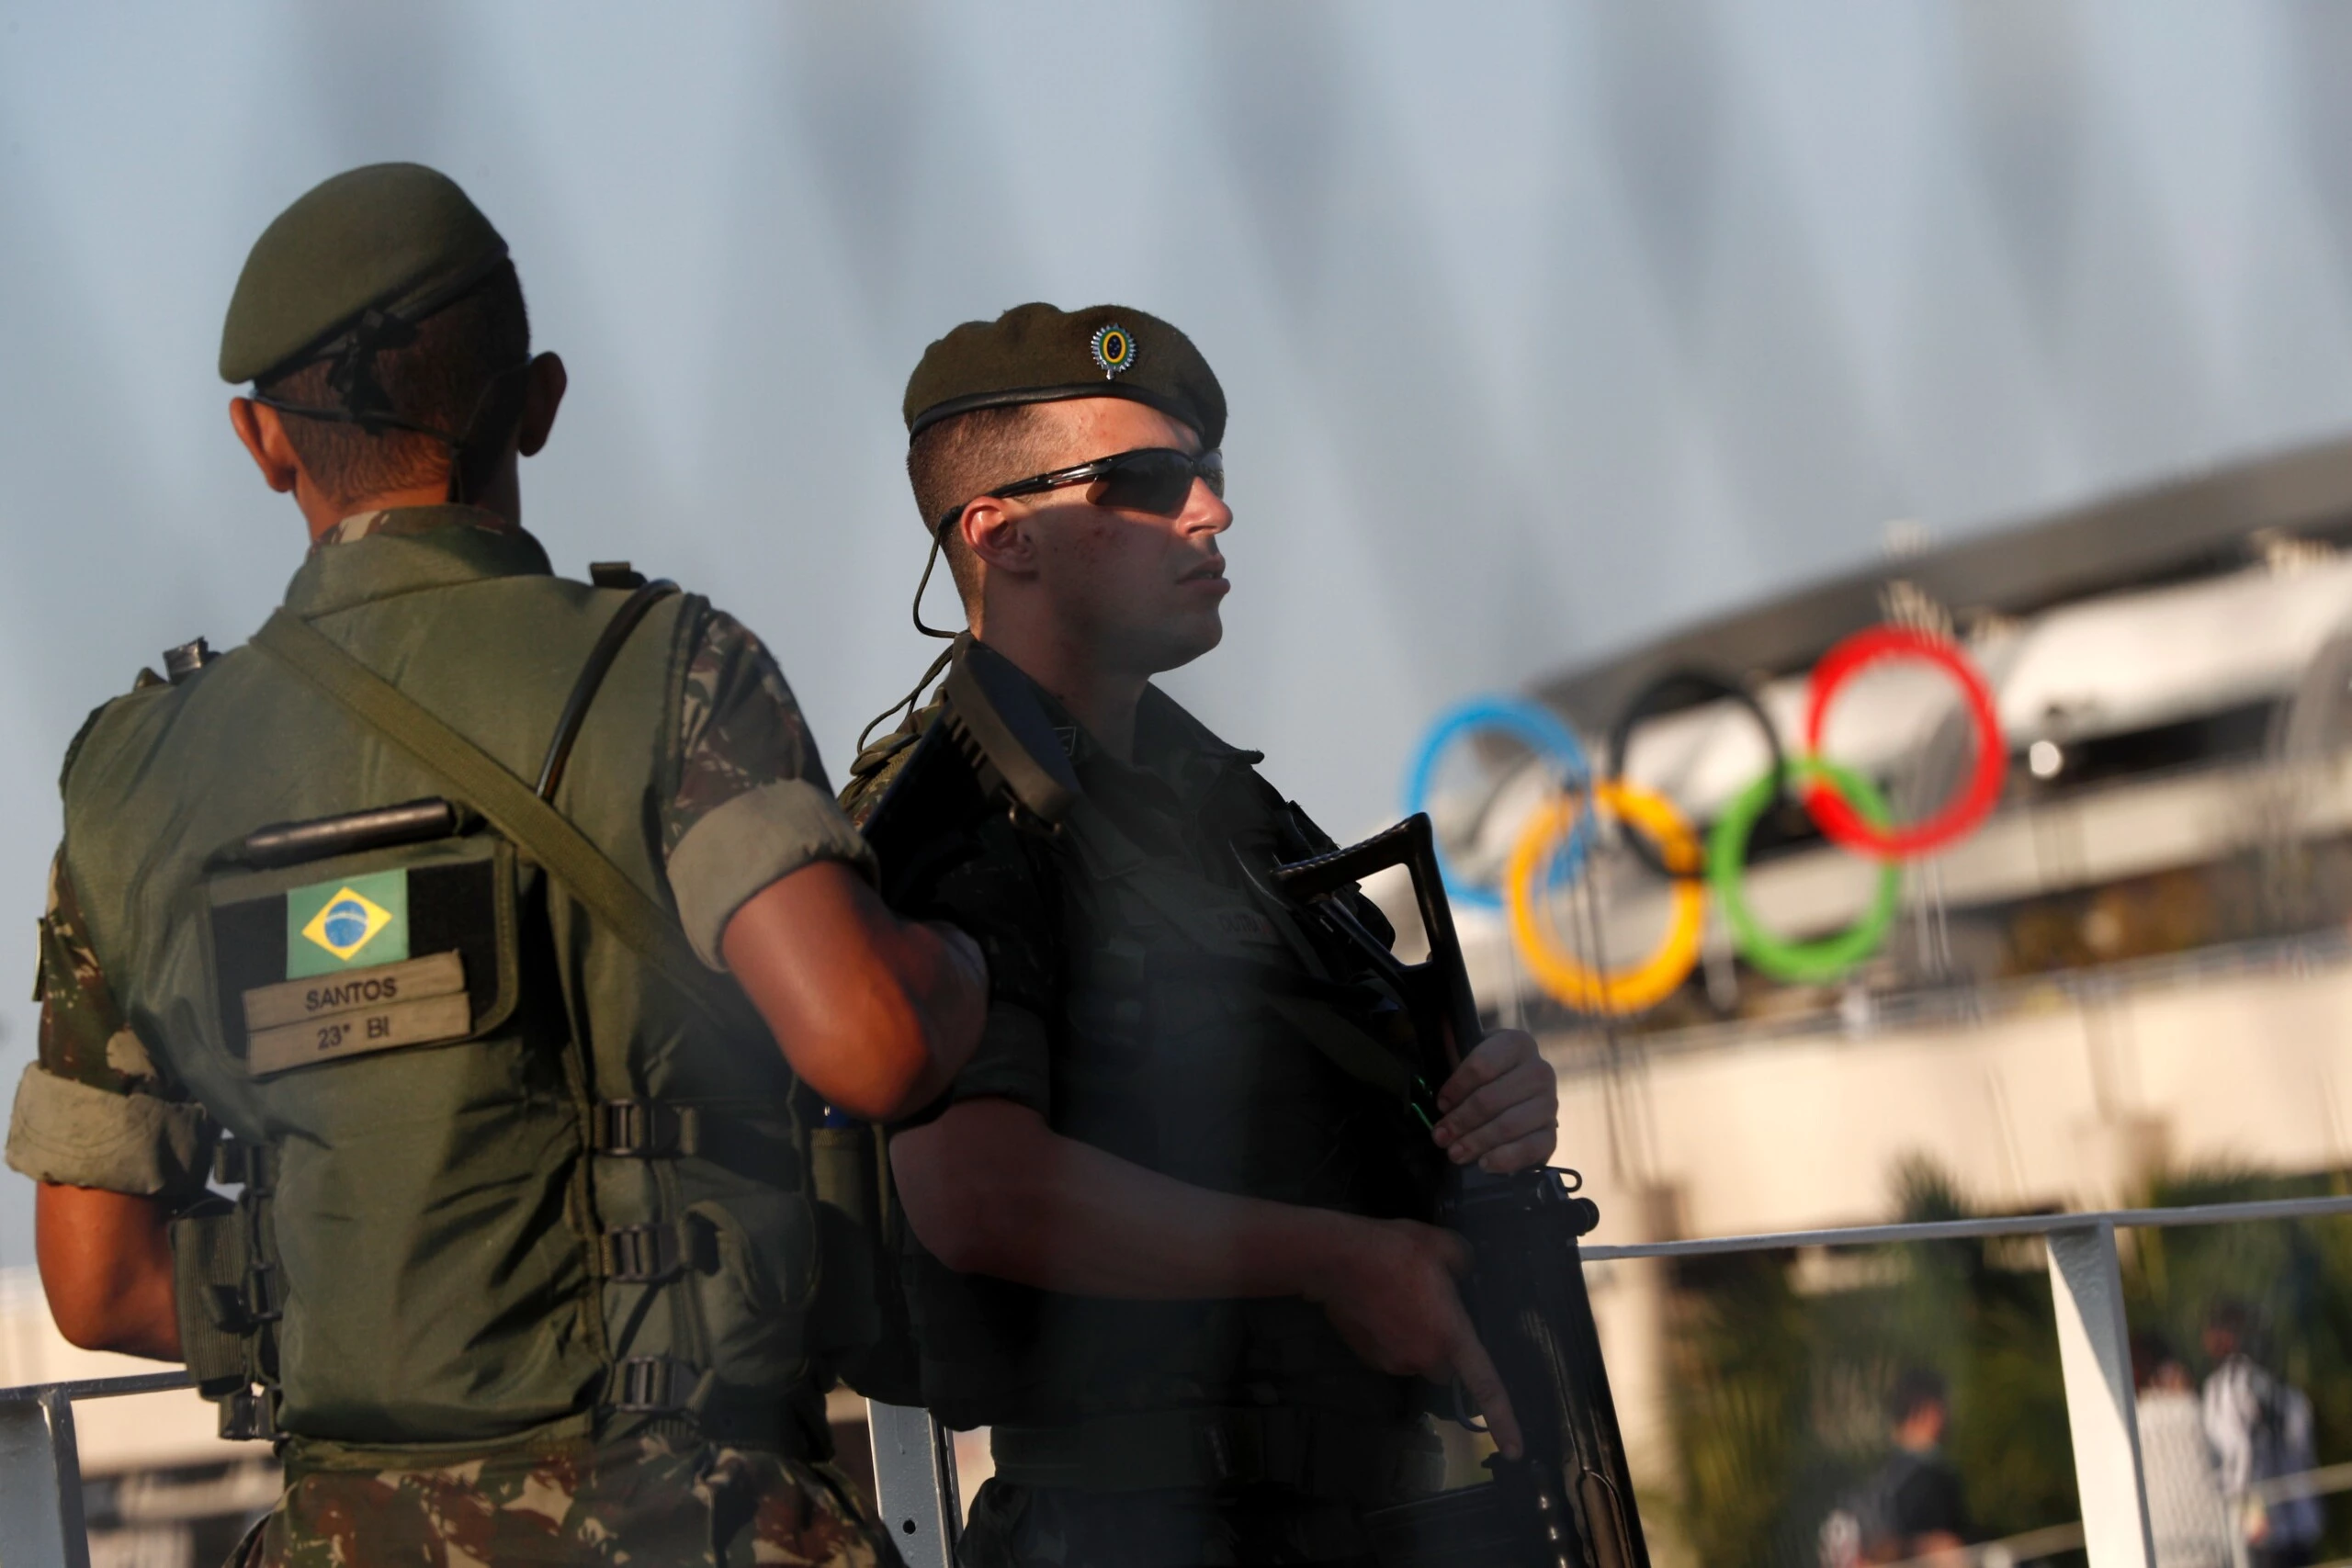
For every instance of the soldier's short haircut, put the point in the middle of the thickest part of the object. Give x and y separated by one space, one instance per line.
957 459
436 380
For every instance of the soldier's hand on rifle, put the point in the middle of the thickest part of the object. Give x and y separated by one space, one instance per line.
1390 1293
1501 1107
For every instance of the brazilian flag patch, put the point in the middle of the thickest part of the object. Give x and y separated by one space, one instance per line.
354 923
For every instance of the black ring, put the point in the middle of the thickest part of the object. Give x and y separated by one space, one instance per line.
1679 684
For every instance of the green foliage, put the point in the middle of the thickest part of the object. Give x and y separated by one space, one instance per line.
1780 1395
1743 1386
1778 1390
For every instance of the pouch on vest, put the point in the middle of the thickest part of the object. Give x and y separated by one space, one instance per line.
861 1327
210 1267
339 938
393 948
226 1294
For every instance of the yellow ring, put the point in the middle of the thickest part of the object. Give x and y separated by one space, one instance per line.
1563 973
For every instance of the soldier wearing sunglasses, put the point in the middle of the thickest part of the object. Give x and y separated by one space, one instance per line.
1165 1243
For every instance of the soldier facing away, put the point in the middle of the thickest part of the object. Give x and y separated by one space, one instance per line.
1168 1235
515 1085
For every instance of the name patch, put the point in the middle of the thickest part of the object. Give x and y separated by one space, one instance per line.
296 1002
420 1001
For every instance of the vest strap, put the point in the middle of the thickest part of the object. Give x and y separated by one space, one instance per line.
660 1385
265 1300
210 1254
664 1389
236 1163
656 1129
245 1416
648 1254
591 676
1321 1453
645 1128
545 834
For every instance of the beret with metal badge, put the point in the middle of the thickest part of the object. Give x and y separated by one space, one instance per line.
370 251
1037 353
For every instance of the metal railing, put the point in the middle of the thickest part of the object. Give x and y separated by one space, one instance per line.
914 1462
2033 1546
915 1472
40 1468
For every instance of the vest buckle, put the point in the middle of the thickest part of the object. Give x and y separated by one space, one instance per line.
263 1300
236 1163
644 1129
660 1385
244 1307
646 1255
245 1416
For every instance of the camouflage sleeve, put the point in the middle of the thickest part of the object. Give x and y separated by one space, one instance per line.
750 804
93 1110
78 1015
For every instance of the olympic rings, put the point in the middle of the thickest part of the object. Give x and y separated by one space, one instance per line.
1836 814
1685 682
1545 733
1556 841
1807 962
1654 979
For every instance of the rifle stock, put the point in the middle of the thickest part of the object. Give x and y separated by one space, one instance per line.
1569 1502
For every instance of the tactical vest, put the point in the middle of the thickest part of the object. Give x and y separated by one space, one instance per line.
500 1175
1212 1036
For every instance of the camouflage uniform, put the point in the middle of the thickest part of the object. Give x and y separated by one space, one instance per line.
633 1501
636 1499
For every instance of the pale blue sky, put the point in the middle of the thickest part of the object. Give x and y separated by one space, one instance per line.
1545 326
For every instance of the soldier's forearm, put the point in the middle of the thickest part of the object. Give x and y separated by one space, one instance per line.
990 1188
105 1266
950 980
875 1013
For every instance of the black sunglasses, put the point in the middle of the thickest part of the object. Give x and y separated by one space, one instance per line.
1158 479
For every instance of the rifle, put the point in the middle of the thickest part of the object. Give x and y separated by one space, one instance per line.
1568 1503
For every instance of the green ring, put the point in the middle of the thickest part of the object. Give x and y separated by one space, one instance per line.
1799 962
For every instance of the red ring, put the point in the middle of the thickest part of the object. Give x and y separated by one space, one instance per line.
1835 815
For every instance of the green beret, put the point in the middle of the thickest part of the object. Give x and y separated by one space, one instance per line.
396 238
1035 353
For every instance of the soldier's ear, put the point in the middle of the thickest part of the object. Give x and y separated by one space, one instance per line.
542 395
996 534
263 431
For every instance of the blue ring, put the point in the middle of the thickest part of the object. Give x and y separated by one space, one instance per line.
1548 734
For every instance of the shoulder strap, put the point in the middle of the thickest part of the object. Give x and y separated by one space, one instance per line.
543 832
592 678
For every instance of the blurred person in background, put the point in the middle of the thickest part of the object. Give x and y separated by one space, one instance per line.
1171 1246
2260 1429
1911 1506
2186 1512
